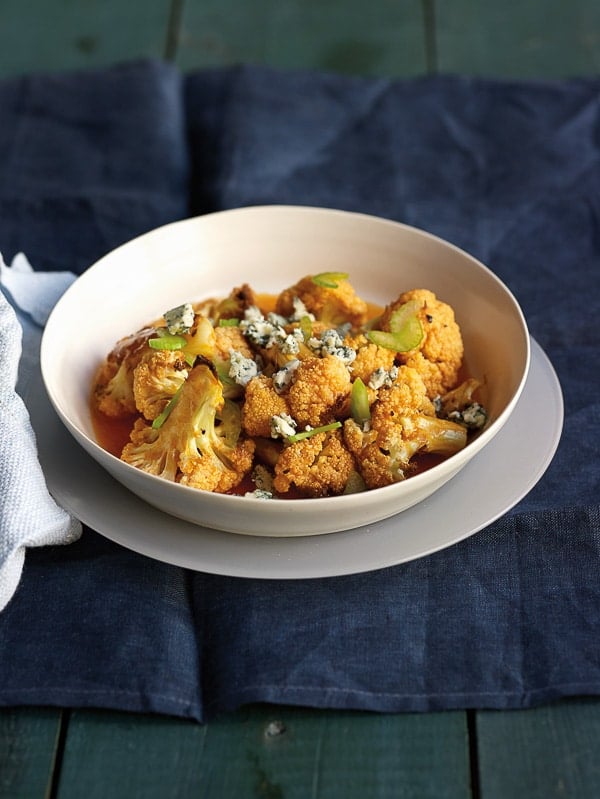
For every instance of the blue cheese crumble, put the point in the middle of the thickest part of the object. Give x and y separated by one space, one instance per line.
263 480
331 343
242 369
180 319
473 417
383 377
283 377
282 426
261 331
300 312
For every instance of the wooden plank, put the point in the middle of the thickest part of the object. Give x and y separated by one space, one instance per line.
546 752
28 748
383 37
535 39
39 35
267 752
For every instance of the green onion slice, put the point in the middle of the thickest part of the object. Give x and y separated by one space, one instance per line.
359 402
329 280
310 433
162 417
406 330
232 322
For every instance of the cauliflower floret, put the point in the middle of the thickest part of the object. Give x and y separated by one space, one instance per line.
112 392
330 342
198 444
319 388
201 339
318 466
459 406
228 339
369 357
261 403
402 424
156 378
331 305
235 305
438 357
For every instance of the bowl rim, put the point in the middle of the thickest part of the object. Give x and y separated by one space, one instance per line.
449 466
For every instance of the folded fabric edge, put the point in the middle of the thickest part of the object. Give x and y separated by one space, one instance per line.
340 699
326 699
102 699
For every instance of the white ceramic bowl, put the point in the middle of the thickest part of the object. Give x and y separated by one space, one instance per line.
270 248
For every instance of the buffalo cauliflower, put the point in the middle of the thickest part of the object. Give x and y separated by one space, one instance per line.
329 297
261 403
199 442
459 405
438 355
370 358
318 389
156 379
402 423
317 466
112 392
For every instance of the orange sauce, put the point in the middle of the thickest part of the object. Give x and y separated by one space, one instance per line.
112 434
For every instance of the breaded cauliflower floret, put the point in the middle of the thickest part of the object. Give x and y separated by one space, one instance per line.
369 357
333 306
402 424
438 357
156 378
112 392
198 444
318 466
261 403
319 388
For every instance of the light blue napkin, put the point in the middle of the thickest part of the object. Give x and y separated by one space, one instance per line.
29 517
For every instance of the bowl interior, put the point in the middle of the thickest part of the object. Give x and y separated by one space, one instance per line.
270 248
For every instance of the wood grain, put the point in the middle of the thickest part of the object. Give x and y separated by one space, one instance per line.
29 741
267 752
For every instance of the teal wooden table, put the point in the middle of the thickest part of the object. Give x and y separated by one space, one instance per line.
277 752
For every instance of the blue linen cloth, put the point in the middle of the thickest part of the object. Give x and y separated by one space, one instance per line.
508 170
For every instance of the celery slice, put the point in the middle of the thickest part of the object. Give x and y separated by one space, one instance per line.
167 341
306 327
359 402
329 280
406 330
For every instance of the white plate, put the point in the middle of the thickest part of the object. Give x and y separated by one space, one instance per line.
484 490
